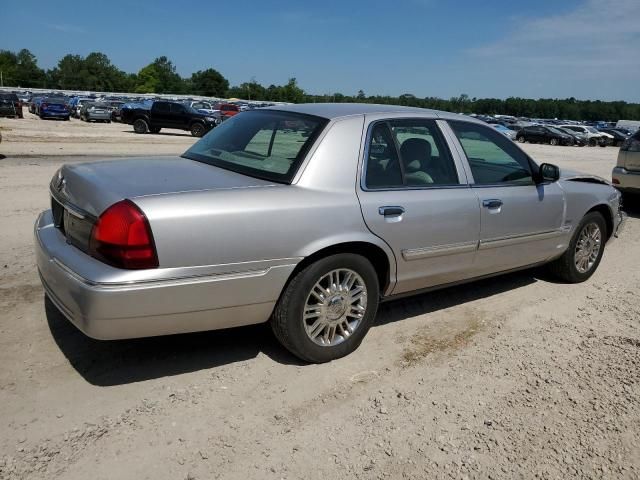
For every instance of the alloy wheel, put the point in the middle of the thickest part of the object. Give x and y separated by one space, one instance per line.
588 247
335 307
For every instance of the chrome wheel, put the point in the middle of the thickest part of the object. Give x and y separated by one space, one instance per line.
335 307
588 247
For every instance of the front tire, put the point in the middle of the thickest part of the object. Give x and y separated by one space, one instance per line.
521 139
553 141
197 129
582 257
327 308
140 126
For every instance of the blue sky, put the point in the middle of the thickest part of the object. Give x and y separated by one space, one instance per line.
485 48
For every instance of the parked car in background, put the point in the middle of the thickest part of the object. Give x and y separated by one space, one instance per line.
579 139
594 137
76 103
24 98
227 110
10 105
632 125
544 134
204 107
115 107
33 104
162 114
619 136
228 234
626 173
507 132
95 112
53 108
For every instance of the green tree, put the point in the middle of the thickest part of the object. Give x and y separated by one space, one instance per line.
69 73
292 93
159 77
28 74
8 65
209 82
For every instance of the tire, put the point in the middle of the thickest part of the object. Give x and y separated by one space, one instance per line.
155 129
593 142
197 129
108 121
521 139
603 145
553 141
290 327
140 126
565 267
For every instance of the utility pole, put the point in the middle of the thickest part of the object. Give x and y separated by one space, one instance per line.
1 82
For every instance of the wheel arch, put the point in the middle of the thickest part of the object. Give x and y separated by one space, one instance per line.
383 264
606 212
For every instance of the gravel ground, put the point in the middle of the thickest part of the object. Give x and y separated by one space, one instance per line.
513 377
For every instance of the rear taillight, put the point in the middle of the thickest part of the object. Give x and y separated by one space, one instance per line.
44 105
122 238
631 145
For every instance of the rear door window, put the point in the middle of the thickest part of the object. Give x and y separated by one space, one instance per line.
160 107
177 108
408 153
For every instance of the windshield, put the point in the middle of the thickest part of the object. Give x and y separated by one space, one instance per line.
267 144
591 130
556 130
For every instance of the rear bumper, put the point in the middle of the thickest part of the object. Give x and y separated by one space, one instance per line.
98 116
54 114
626 180
115 310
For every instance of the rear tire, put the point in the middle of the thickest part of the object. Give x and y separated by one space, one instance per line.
197 129
566 267
521 139
297 332
140 126
553 141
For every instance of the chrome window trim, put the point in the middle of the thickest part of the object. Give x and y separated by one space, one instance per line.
365 158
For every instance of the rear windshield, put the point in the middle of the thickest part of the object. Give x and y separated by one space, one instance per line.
265 144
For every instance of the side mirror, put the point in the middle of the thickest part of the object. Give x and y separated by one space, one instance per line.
549 172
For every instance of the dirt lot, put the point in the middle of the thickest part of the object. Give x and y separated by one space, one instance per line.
513 377
32 136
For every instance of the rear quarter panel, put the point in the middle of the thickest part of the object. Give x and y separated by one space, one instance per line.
234 226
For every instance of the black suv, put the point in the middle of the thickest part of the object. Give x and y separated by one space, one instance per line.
164 114
542 134
10 105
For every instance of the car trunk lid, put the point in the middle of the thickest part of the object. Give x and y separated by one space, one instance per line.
80 193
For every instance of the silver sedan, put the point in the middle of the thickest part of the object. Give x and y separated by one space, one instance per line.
308 216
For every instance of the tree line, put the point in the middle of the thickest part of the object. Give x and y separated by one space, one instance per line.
95 72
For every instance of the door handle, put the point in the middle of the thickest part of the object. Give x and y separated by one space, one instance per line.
492 203
391 211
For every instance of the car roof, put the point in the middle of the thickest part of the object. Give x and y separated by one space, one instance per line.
337 110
